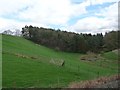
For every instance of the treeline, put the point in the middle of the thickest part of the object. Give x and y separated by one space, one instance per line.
70 41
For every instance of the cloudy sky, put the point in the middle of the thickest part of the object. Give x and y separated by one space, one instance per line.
81 16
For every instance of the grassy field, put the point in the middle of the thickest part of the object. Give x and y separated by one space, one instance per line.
21 70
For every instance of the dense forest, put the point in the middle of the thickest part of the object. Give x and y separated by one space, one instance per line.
70 41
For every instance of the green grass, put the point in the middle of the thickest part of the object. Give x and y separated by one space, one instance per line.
27 72
110 56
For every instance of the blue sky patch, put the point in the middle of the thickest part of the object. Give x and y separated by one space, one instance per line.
96 8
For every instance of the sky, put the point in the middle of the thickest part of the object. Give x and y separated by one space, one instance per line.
80 16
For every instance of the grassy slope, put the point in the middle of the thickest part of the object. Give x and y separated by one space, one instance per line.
23 72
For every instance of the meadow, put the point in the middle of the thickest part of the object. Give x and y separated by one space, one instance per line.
26 64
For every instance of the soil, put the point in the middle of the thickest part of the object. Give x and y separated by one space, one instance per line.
103 82
111 84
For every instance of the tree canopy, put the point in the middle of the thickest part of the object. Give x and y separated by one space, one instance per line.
70 41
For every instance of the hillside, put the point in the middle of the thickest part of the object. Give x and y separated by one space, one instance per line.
26 64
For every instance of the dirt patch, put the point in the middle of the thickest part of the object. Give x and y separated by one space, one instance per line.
95 83
91 57
20 55
25 56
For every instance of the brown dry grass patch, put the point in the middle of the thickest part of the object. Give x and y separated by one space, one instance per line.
93 83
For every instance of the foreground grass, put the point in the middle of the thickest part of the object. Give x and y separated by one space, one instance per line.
28 72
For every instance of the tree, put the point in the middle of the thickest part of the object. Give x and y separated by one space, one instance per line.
17 32
111 40
8 32
70 41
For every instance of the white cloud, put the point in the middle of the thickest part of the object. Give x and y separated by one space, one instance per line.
57 12
78 9
93 2
46 12
13 25
90 24
96 24
52 12
12 6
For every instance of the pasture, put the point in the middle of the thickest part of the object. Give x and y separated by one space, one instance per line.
26 64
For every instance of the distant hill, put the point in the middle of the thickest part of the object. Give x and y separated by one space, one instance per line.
26 64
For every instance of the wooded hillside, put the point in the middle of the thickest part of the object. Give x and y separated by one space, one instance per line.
70 41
